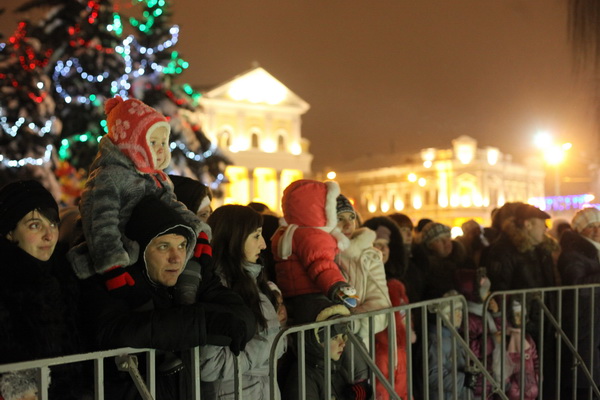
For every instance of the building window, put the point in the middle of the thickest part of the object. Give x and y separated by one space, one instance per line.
280 143
224 139
255 140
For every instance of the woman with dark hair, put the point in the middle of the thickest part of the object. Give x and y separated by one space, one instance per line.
38 291
236 245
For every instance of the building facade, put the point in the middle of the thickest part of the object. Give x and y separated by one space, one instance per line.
256 122
447 185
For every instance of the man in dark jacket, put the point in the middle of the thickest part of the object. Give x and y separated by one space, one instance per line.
579 264
142 313
519 258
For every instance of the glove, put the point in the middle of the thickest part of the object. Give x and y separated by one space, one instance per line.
358 391
228 331
117 277
471 379
202 246
347 296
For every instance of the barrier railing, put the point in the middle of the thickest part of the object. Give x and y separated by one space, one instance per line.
560 322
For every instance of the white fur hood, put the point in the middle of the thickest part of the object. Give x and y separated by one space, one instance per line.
361 239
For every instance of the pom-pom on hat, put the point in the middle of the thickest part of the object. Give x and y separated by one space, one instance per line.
130 124
19 198
433 231
585 217
344 205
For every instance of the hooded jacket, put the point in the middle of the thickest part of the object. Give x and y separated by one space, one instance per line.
305 249
114 187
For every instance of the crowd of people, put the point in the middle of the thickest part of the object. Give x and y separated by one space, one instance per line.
147 263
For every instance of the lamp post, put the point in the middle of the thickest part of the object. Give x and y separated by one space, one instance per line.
555 155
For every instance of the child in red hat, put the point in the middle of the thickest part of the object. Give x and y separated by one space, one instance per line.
129 166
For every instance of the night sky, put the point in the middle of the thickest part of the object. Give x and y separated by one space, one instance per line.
387 76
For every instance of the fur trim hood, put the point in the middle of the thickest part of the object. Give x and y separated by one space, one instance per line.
311 203
361 239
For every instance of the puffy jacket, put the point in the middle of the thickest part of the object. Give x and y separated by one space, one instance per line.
305 249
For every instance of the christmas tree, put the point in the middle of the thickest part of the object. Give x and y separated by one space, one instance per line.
28 127
85 61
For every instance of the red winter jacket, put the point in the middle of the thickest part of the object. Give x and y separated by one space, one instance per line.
305 250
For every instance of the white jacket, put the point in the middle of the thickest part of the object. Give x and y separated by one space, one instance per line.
363 268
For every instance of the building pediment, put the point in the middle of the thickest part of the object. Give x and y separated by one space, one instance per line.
256 87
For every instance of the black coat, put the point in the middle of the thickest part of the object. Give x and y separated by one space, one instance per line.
511 266
146 316
579 264
38 313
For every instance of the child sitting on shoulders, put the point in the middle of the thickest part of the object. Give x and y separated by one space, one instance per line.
128 167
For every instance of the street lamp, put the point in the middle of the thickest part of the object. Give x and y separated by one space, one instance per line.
554 155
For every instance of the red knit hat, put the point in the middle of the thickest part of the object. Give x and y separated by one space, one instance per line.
130 124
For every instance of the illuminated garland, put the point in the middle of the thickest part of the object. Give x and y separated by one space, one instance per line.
13 129
130 41
28 160
121 85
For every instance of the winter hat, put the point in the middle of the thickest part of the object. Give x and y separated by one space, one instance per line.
151 218
383 232
422 223
525 211
130 124
585 217
19 198
194 194
329 313
344 205
434 230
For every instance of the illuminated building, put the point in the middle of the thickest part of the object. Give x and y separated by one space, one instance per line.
447 185
256 121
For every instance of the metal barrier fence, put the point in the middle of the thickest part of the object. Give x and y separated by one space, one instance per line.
559 327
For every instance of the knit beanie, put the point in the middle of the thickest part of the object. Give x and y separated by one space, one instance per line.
344 205
585 217
130 124
19 198
151 218
434 230
194 194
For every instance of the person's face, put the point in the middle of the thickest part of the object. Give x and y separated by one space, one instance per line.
36 235
592 232
442 246
204 213
253 245
165 258
383 246
518 318
535 227
159 146
347 223
407 235
336 346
